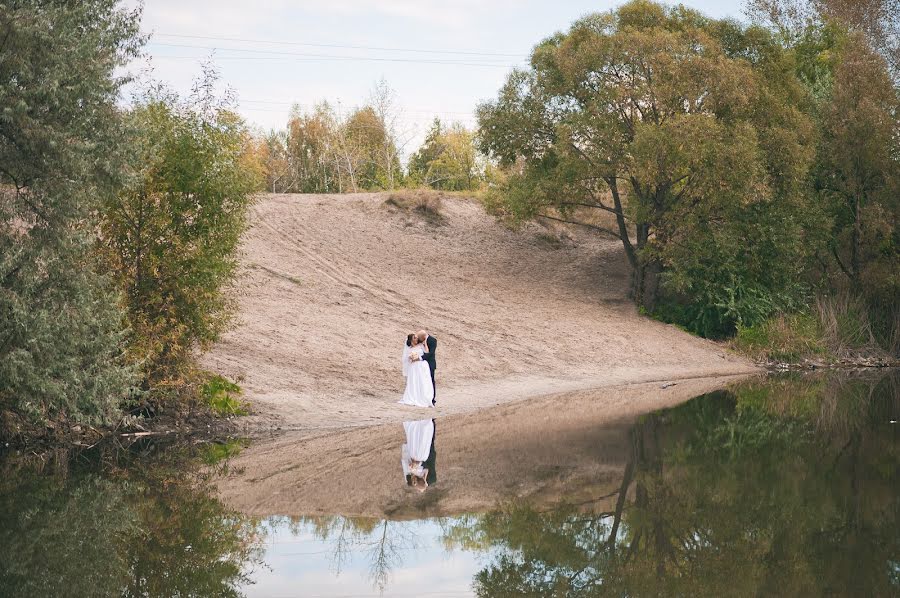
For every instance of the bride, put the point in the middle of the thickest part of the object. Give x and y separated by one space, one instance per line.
419 390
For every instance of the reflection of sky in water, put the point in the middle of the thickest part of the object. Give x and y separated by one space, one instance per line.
298 562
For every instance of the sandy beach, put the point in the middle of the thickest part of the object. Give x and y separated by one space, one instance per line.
330 284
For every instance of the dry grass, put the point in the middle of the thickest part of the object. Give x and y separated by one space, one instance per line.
425 203
845 325
837 326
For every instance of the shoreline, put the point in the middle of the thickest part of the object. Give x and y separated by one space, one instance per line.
576 445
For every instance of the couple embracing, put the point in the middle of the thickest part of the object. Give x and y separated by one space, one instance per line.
418 367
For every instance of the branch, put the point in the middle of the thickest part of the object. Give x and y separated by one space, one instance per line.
840 263
584 224
599 206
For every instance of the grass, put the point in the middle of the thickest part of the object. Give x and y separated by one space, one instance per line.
425 203
549 240
223 396
836 326
788 338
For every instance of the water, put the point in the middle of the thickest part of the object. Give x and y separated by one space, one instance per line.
781 486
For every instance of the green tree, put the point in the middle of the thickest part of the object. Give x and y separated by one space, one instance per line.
60 329
172 232
847 56
448 159
689 133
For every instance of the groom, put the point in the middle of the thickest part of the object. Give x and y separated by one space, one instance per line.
431 343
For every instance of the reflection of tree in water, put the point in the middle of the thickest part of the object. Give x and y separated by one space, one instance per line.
127 526
383 543
777 488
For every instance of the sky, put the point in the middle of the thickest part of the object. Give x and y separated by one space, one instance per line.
440 57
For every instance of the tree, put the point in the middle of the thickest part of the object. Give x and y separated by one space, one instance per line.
859 173
448 159
848 56
60 330
878 21
172 233
310 139
383 101
689 133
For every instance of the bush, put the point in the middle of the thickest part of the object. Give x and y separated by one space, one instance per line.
425 203
222 396
782 338
846 324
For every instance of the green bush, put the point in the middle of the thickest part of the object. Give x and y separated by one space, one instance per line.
782 338
223 396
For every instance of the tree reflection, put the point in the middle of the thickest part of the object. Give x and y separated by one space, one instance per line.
383 543
784 488
122 524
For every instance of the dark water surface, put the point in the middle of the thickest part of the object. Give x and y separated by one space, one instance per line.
779 486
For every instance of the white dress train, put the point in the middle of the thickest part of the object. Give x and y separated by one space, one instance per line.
419 390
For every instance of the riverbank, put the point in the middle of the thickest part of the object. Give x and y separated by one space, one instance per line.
331 284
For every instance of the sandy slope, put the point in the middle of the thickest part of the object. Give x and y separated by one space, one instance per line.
331 284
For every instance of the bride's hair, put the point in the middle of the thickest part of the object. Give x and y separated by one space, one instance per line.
409 339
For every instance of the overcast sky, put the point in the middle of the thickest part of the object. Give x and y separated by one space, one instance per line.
440 56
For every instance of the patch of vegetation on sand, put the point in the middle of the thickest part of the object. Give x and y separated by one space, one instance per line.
425 203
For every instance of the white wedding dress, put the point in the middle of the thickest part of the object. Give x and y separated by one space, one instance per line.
417 446
419 390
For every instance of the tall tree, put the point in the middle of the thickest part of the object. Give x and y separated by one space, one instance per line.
689 132
60 340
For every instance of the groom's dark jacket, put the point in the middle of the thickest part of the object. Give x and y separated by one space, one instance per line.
431 343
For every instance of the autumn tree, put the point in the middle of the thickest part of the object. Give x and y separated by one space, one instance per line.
172 233
846 54
61 345
689 133
448 159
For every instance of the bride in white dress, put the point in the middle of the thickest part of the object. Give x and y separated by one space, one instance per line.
419 390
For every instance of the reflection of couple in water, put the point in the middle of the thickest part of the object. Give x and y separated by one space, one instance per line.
417 455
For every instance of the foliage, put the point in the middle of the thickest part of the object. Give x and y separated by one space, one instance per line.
691 132
222 396
782 338
848 58
733 493
324 151
60 330
136 524
171 234
448 159
422 202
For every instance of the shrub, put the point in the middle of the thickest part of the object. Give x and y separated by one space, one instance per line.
222 396
782 338
425 203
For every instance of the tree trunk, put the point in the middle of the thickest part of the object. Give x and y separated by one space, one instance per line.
855 240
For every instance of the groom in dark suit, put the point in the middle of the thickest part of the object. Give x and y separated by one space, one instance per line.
431 343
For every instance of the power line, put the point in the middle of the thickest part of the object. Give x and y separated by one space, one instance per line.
354 47
276 55
306 105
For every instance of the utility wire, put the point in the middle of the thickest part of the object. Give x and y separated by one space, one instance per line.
274 55
354 47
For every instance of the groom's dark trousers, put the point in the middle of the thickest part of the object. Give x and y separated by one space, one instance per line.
431 343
